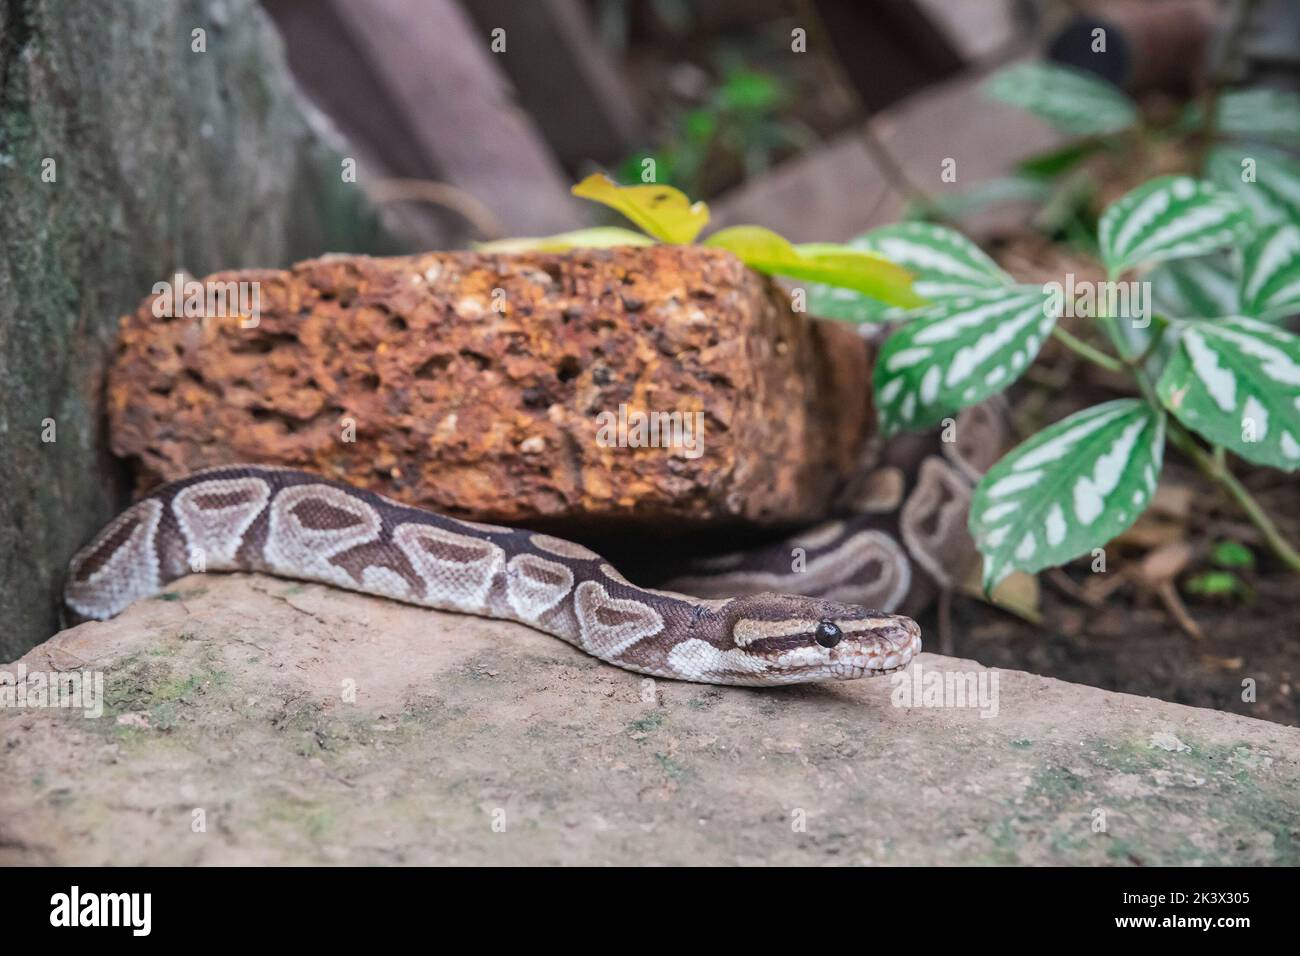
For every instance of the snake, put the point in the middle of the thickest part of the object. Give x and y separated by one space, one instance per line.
297 525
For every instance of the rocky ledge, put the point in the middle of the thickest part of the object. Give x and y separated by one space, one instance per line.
252 720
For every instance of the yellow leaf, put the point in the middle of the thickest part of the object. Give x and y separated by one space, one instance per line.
602 237
1017 593
865 272
662 211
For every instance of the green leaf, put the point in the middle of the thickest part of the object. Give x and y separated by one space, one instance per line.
1018 188
1214 584
872 275
1172 217
1069 489
1260 114
1266 181
1232 554
958 353
943 262
1069 99
1062 159
1270 278
1202 288
601 237
1237 383
836 302
662 211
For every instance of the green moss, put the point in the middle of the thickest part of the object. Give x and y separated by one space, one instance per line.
672 767
79 252
1059 803
648 724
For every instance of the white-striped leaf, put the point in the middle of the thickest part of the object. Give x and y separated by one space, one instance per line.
1206 287
1069 489
959 352
1263 114
1237 383
1267 181
1270 276
1172 217
944 263
1069 99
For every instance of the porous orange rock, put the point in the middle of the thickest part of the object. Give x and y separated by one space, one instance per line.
477 385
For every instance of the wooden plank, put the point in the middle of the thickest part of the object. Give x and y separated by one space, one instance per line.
956 121
845 187
563 78
887 49
414 81
977 29
827 195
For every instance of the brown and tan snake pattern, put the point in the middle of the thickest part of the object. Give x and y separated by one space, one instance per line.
297 525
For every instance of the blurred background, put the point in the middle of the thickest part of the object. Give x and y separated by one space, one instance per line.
819 118
143 137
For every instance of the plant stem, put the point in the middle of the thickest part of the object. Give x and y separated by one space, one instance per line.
1215 466
1138 361
1094 355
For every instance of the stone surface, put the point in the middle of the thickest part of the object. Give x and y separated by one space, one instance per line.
493 414
125 155
230 695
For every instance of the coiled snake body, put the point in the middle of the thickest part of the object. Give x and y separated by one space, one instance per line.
297 525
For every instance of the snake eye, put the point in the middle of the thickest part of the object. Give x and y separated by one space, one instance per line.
828 634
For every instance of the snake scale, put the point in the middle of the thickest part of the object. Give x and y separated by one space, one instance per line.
793 611
297 525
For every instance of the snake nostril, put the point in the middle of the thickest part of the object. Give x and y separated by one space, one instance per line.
828 634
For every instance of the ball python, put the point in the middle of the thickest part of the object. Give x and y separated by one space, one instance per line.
297 525
752 617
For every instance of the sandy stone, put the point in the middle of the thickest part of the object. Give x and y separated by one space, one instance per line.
311 725
475 384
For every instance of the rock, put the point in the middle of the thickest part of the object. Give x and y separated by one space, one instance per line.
269 721
495 387
126 154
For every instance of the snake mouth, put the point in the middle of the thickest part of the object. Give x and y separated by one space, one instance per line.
881 656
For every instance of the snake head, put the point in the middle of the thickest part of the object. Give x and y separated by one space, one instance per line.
788 639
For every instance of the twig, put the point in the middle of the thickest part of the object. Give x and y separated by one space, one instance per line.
446 195
1216 468
1094 355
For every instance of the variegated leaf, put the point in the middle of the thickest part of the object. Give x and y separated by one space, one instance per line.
943 262
1172 217
1237 383
1270 278
1069 99
1267 181
1069 489
1260 114
958 353
1202 288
